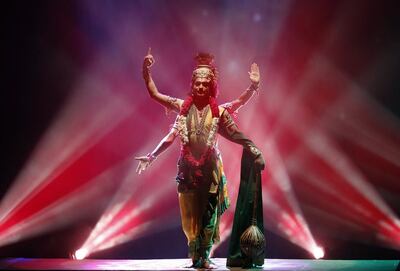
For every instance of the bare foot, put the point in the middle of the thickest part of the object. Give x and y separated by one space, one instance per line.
208 264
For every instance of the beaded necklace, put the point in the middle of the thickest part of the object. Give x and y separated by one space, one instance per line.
183 131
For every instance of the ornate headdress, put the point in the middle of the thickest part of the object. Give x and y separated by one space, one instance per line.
205 67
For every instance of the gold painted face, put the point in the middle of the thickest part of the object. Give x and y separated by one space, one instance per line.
201 87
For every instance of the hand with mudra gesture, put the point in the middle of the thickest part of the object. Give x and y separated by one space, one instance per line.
148 59
254 74
144 163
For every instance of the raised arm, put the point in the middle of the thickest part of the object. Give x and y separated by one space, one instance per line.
234 105
230 131
145 161
168 102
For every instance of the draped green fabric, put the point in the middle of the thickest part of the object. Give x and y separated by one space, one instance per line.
244 212
224 202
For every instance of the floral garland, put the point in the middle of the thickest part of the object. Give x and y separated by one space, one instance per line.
183 132
188 156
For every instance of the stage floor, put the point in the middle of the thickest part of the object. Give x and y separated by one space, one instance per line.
181 264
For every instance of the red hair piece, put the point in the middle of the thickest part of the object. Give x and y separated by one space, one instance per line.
186 106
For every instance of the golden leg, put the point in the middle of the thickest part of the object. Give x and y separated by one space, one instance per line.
190 215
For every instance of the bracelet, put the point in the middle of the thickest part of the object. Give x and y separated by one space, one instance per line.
256 152
253 87
146 73
151 157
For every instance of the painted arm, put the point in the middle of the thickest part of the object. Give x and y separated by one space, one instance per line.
230 131
168 102
254 75
145 161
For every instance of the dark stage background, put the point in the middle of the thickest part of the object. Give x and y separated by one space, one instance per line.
49 47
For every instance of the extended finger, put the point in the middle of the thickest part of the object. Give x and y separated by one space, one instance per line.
138 168
149 51
142 168
141 158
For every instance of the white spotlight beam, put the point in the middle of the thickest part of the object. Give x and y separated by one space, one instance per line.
72 134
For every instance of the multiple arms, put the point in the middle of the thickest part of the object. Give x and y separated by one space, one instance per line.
165 100
228 128
174 104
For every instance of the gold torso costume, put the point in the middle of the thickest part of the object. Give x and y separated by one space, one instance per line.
202 190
